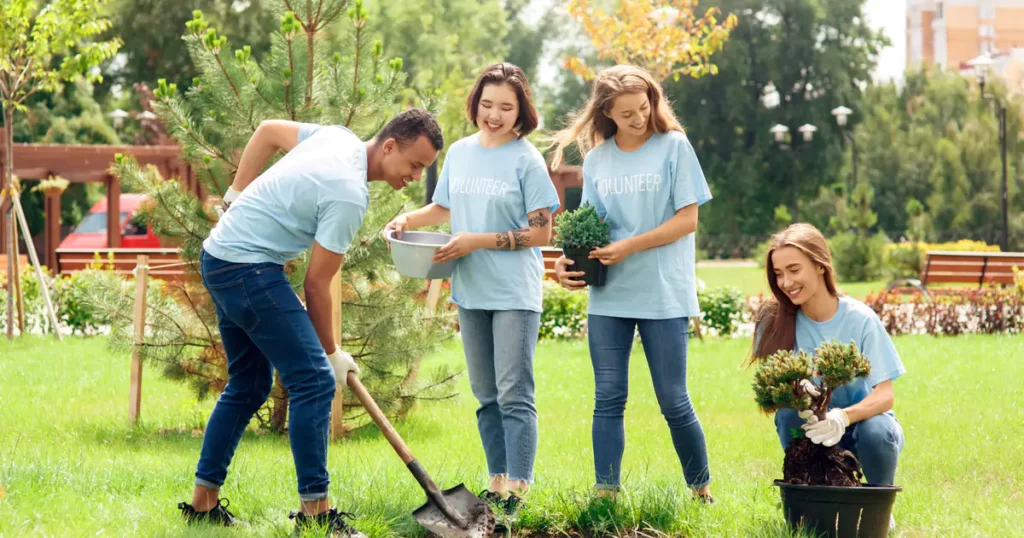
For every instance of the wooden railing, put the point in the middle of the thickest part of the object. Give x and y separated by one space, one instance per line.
166 263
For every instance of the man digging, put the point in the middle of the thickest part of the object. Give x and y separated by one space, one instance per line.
315 197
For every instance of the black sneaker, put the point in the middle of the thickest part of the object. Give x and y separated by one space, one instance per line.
513 503
498 507
705 498
331 522
491 497
218 515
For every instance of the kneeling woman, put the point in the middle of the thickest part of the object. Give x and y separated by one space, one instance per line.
807 310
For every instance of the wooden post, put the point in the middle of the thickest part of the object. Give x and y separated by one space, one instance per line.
19 298
51 204
135 392
337 406
433 294
3 199
113 212
5 205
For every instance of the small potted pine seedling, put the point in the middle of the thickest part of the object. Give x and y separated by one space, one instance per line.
577 233
821 486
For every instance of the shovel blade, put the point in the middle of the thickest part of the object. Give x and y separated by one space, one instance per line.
473 509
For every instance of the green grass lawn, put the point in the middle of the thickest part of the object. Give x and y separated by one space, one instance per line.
751 281
70 465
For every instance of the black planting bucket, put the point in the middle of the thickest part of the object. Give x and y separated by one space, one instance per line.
839 512
593 270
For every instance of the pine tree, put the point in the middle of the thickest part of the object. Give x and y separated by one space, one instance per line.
777 380
384 327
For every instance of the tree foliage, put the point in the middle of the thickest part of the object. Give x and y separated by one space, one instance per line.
666 37
302 79
777 382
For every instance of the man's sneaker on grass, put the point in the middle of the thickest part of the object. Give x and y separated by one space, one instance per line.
331 523
513 503
218 515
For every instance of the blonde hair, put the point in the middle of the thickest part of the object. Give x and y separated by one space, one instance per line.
589 126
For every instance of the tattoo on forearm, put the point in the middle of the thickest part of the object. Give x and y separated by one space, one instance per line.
522 237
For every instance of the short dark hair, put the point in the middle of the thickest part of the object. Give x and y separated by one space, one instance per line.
409 125
506 73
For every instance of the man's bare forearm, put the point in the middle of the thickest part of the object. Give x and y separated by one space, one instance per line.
318 307
269 137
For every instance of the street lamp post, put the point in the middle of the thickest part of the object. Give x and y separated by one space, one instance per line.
842 115
982 64
771 100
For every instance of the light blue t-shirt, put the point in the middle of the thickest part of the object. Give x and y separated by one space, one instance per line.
493 190
316 192
636 192
857 322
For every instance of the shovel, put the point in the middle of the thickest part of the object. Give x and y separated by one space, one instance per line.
452 513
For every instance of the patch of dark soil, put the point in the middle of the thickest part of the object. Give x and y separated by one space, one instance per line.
817 465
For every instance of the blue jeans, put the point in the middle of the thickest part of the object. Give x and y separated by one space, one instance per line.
664 341
264 327
877 442
499 346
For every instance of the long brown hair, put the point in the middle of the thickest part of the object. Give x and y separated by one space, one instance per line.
775 319
506 73
589 126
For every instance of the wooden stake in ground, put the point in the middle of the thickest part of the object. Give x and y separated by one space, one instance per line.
141 283
20 213
11 262
19 297
433 294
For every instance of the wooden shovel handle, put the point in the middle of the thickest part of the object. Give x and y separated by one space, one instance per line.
378 417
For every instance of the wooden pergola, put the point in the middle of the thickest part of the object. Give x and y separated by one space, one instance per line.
87 164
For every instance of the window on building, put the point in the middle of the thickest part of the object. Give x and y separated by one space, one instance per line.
987 11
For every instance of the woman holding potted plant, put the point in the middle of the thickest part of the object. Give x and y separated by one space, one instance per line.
642 177
807 310
495 190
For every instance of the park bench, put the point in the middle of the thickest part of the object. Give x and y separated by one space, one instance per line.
165 262
981 268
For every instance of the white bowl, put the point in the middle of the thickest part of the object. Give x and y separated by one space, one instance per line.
413 254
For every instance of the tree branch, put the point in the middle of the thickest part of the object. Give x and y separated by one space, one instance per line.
355 79
224 70
288 81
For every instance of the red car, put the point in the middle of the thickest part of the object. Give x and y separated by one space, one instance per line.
92 231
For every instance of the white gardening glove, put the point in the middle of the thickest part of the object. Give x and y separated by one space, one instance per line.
809 388
229 197
343 363
827 432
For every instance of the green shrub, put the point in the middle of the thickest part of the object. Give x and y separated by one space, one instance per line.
858 258
761 252
721 309
72 297
77 305
565 313
581 228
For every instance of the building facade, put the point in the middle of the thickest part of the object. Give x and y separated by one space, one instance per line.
949 33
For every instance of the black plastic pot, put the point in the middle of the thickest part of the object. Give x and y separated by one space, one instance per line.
839 512
593 270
